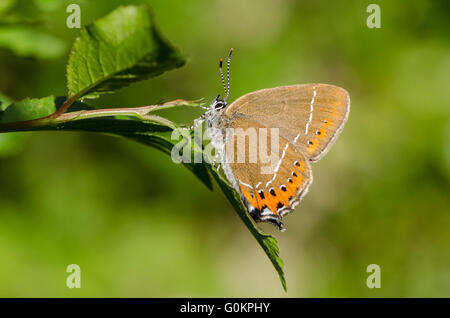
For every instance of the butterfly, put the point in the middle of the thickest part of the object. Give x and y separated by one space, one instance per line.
305 119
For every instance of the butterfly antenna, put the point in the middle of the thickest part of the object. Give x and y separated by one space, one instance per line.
221 76
228 75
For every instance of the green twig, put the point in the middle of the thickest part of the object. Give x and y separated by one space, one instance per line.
58 117
38 122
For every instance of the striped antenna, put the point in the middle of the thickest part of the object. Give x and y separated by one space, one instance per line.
227 93
221 76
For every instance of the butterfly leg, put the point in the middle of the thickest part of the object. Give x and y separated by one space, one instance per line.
217 160
197 122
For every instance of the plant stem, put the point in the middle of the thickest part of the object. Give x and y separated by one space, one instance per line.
140 113
33 123
58 117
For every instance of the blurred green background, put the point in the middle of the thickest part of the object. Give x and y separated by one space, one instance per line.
141 226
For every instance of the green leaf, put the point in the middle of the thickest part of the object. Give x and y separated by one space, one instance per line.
134 123
118 49
28 109
29 42
267 242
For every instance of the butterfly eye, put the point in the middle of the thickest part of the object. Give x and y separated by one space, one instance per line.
219 105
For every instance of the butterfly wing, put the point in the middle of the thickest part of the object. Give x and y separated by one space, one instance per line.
272 188
308 118
311 116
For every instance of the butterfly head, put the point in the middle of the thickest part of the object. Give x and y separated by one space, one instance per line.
218 104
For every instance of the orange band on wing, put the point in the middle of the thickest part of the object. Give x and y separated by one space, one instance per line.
251 197
276 199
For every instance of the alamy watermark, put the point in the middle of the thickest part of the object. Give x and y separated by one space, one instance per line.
73 21
251 145
374 279
74 279
374 19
